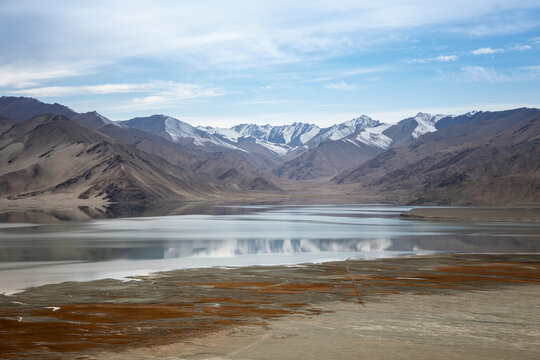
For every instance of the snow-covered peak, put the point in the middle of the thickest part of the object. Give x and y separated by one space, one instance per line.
363 121
180 129
176 131
426 123
340 131
374 136
253 130
292 135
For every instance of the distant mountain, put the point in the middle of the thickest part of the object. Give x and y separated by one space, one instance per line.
20 109
480 158
340 131
285 140
177 131
53 155
327 159
411 128
352 143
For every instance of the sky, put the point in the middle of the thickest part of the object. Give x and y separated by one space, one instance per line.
221 63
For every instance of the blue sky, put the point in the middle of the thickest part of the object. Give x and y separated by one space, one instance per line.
222 63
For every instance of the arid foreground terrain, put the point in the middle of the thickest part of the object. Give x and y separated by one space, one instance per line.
444 306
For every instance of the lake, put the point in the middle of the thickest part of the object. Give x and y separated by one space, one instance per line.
37 254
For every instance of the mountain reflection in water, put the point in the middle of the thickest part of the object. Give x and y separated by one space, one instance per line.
35 254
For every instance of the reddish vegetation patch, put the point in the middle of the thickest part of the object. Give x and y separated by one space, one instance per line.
293 304
234 284
199 308
518 271
294 288
116 313
221 300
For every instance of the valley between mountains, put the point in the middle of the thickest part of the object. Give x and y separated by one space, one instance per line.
49 152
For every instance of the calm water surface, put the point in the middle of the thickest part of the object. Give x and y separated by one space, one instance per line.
36 254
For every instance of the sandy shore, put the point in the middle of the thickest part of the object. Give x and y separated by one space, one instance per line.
475 213
448 306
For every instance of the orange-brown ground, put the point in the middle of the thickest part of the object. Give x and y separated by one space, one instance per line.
71 319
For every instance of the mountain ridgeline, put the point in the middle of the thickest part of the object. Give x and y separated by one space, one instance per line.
479 157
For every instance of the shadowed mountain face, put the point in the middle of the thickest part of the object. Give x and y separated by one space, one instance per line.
481 158
20 109
53 155
326 159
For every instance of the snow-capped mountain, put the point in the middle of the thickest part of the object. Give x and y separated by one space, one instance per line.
288 141
293 135
177 131
340 131
285 138
426 123
374 136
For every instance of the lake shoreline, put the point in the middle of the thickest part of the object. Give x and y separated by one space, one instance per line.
245 312
525 214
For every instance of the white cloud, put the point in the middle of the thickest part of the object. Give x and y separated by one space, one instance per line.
159 91
210 32
486 51
440 58
446 58
349 73
531 68
481 74
522 47
22 76
341 86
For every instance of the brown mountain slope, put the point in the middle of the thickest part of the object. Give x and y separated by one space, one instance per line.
488 158
5 124
51 154
326 159
204 164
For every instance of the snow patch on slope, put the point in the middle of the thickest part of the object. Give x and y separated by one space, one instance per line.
374 136
426 124
278 149
340 131
178 130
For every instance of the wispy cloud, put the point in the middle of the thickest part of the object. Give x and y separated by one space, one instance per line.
522 47
159 91
440 58
22 76
532 68
349 73
481 74
342 86
262 102
446 58
490 74
206 33
486 51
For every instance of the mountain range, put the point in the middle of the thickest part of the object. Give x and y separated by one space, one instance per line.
478 157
